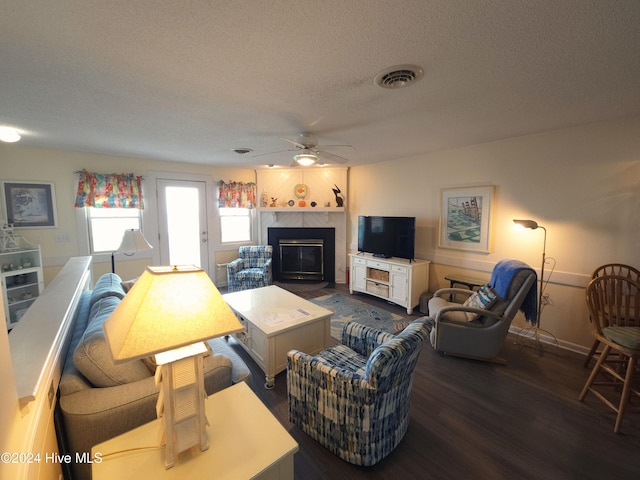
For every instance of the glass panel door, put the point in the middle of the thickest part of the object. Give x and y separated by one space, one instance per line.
182 222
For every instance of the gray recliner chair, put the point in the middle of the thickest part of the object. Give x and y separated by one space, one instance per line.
478 330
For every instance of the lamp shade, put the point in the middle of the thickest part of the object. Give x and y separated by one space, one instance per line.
133 241
167 308
532 224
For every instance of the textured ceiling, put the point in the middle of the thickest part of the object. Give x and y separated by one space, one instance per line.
191 80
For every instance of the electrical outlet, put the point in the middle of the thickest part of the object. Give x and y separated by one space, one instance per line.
62 238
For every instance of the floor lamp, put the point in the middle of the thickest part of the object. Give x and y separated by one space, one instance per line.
133 241
536 330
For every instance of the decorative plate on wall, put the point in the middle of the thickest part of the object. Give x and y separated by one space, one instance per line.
300 190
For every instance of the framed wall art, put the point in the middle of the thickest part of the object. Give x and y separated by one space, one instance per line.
29 204
465 218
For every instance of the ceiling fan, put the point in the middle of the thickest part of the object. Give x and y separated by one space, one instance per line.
309 152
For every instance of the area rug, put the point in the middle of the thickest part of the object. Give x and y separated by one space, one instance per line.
345 308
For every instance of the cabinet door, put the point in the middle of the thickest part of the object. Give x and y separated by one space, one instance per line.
399 288
358 275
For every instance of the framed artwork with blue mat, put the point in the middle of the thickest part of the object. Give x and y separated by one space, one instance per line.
465 218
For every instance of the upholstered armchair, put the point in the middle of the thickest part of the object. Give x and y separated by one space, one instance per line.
251 270
353 398
478 327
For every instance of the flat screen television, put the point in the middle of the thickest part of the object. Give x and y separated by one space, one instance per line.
387 236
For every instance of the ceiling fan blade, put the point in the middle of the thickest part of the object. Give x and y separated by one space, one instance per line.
297 144
332 157
271 153
325 146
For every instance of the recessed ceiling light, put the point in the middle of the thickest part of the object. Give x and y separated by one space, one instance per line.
9 135
398 76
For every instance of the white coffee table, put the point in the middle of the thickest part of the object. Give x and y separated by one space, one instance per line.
275 322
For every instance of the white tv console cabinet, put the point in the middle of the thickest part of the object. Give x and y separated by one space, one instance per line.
395 279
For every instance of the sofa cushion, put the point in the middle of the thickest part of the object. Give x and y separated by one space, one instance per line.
108 285
483 298
128 284
92 357
223 345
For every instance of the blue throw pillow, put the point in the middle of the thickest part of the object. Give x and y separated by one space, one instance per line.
483 298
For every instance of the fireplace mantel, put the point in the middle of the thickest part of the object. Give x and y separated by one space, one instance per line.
280 183
301 209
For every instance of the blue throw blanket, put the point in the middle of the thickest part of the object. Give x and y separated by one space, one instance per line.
501 278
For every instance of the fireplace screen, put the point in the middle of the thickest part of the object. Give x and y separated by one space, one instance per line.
301 259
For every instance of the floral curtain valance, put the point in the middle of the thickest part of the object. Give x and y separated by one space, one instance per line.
122 190
236 195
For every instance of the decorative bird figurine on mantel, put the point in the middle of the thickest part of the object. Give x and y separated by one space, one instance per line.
339 198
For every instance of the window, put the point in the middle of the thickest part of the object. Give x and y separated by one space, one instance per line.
235 225
107 225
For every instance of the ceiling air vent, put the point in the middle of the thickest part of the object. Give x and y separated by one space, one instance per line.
242 151
398 76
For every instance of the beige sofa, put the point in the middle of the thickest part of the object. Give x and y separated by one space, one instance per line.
98 399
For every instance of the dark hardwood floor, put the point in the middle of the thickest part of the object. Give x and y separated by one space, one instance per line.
474 420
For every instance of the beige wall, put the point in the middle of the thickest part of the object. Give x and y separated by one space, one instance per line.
582 184
58 166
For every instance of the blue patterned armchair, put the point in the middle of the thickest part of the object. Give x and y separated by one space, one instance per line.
353 398
251 270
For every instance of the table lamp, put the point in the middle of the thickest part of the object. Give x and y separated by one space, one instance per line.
132 241
168 313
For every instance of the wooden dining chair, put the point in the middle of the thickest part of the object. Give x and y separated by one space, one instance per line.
614 306
610 269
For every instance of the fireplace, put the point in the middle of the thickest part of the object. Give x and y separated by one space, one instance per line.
303 254
301 259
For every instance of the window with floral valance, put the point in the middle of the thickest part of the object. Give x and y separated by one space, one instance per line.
236 195
99 190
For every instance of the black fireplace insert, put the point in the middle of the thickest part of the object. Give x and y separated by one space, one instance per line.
325 235
301 259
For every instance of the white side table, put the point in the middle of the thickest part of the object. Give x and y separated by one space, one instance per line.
245 441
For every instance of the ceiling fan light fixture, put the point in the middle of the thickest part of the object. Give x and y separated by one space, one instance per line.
305 159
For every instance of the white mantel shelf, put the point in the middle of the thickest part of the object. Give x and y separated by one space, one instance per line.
301 209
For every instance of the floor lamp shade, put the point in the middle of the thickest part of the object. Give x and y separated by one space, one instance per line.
132 241
168 308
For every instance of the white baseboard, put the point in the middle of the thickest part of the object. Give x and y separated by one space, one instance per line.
550 341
